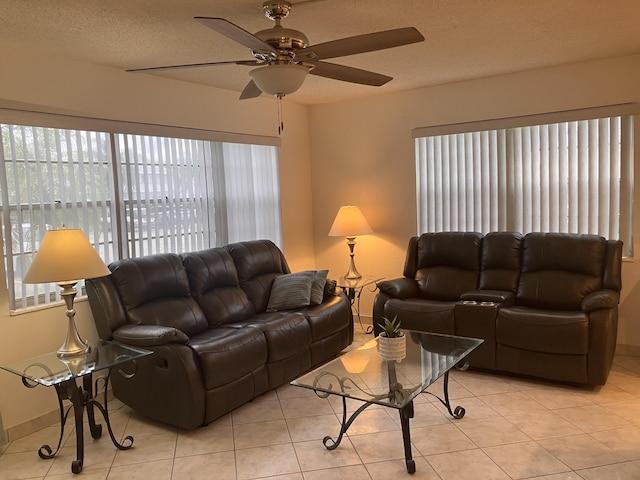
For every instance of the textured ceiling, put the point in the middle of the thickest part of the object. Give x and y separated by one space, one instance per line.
465 39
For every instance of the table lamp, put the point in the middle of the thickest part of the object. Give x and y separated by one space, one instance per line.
65 257
350 223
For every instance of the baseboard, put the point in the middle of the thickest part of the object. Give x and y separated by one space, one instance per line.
632 350
31 426
16 432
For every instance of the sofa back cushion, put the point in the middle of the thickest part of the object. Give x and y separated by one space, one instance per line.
560 269
155 291
214 283
501 259
257 262
447 264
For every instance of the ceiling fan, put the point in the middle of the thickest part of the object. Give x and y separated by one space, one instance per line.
283 56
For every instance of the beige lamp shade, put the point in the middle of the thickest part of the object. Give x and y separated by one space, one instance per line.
65 255
349 222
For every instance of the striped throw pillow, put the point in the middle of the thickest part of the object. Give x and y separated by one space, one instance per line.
317 289
291 290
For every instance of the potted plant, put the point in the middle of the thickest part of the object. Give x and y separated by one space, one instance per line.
392 341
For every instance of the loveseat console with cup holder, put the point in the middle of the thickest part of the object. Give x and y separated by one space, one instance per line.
545 304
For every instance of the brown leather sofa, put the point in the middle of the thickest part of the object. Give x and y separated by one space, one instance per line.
204 315
546 304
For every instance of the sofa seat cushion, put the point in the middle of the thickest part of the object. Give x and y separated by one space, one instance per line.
422 314
549 331
326 319
226 354
286 333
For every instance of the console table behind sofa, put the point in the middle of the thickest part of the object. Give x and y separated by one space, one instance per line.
546 304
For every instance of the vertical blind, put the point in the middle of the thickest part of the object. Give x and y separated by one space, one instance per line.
249 174
51 178
574 177
164 194
132 195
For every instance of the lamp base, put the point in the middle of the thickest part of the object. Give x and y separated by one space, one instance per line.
352 273
73 345
74 348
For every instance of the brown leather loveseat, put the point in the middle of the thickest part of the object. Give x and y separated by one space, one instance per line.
220 334
546 304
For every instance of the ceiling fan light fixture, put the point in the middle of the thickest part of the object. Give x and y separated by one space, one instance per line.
279 80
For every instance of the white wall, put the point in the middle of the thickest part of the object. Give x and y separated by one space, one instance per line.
362 153
49 83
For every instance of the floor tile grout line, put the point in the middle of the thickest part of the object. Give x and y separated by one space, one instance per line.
293 447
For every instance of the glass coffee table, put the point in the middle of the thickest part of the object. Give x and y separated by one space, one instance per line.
361 374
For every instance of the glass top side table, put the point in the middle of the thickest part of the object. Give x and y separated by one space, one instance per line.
353 288
61 373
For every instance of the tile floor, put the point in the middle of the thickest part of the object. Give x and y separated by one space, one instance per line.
513 429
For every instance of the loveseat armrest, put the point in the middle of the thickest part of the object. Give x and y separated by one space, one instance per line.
149 335
600 299
400 288
494 296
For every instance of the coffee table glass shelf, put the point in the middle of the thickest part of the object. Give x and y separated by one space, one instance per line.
361 374
50 370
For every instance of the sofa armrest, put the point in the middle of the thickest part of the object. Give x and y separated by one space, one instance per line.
600 299
495 296
149 335
400 288
167 386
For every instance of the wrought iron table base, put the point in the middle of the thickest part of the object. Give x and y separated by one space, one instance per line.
81 398
459 411
406 413
353 295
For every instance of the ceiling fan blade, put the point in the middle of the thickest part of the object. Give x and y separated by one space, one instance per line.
192 65
348 74
368 42
250 91
236 34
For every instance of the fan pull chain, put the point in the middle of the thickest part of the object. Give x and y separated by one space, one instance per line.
280 120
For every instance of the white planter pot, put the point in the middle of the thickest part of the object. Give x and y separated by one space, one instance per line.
392 348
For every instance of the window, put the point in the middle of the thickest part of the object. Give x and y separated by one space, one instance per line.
164 196
568 176
132 195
